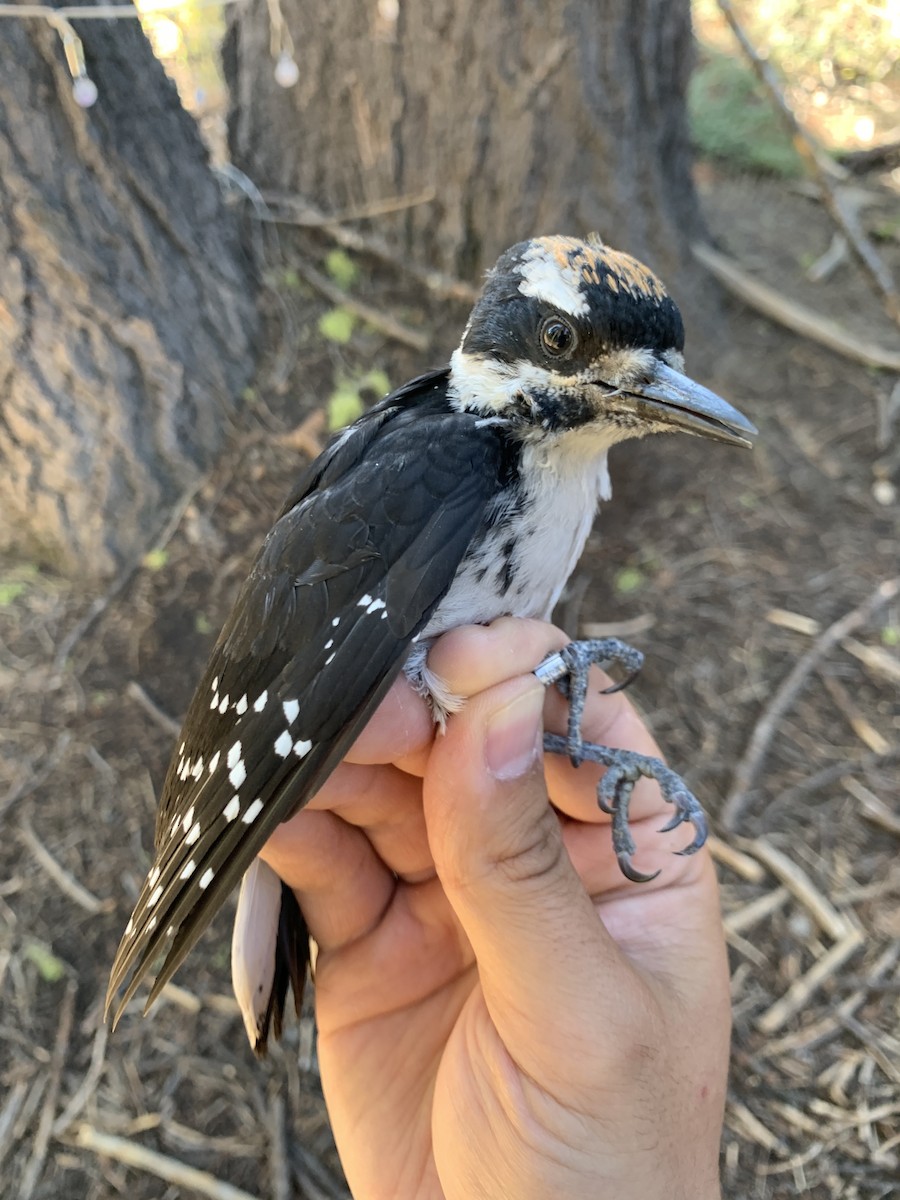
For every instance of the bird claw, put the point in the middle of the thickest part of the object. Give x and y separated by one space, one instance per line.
568 669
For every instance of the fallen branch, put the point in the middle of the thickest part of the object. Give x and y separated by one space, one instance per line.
375 317
32 1173
792 315
754 756
172 1170
845 220
307 215
64 881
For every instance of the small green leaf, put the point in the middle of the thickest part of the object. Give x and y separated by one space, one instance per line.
344 406
890 635
202 623
629 579
342 269
337 325
10 591
376 381
155 560
50 968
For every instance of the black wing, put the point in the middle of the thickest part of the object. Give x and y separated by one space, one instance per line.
349 574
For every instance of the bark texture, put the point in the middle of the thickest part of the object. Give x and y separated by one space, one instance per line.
526 118
126 306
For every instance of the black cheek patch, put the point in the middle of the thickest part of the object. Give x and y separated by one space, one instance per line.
557 411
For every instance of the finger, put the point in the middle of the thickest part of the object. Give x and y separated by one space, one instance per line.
400 731
340 882
499 853
472 658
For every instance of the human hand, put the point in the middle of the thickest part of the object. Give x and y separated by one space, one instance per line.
501 1013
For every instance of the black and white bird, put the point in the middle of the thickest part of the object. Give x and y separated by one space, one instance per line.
465 495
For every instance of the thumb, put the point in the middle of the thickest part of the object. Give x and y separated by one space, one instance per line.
544 958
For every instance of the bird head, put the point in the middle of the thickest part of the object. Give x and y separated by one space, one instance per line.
573 336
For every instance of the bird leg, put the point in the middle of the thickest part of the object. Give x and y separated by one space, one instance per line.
569 669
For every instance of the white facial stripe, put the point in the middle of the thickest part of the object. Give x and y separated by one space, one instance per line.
545 278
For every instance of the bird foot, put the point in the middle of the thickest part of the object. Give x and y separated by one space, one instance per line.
568 669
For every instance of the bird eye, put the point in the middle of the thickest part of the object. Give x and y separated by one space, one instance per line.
557 337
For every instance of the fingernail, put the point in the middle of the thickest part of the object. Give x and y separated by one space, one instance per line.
514 738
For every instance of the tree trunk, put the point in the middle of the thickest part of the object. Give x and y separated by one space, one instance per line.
523 119
126 309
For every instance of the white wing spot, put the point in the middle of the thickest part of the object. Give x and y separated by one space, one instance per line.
302 748
188 818
214 703
153 876
375 605
237 774
234 754
214 762
261 701
252 812
189 868
283 744
224 705
291 710
129 928
384 614
198 768
232 809
155 896
193 835
241 707
206 878
151 924
214 687
330 657
329 644
336 622
364 601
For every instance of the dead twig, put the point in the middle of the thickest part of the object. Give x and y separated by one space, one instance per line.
375 317
45 1124
436 282
88 1085
798 994
279 1168
168 724
843 217
310 218
38 772
872 807
791 314
64 881
172 1170
754 756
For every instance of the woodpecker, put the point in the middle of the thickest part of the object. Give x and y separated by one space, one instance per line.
465 495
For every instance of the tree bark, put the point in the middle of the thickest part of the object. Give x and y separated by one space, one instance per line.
524 119
126 307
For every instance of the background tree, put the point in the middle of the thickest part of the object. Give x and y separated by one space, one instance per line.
126 303
522 119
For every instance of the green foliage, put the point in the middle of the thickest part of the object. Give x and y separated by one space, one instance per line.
890 635
346 401
342 269
203 624
733 120
155 560
337 325
50 968
628 579
16 583
344 406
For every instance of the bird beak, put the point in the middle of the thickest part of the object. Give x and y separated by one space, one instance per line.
670 398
